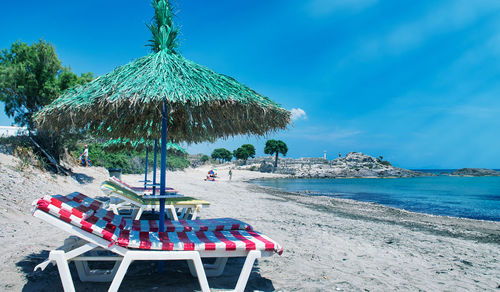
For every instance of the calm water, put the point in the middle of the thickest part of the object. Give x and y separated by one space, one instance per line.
469 197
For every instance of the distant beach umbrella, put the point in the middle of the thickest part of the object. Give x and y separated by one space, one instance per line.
164 95
114 145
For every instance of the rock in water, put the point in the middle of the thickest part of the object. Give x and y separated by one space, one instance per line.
354 164
266 167
475 172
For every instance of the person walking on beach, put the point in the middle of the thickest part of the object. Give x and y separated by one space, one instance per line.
230 173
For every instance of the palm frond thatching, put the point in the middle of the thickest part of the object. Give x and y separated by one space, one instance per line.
202 104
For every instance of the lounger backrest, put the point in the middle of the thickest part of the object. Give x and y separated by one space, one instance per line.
101 222
78 204
137 189
114 178
110 186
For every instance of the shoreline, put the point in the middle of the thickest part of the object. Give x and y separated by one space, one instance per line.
339 196
330 243
410 216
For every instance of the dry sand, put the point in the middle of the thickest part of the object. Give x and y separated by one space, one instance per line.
330 244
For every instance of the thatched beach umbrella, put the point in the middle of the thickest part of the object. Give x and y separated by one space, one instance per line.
162 93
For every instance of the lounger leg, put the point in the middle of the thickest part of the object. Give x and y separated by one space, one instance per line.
82 267
183 214
64 273
88 275
211 270
200 273
195 212
114 209
139 213
247 268
172 211
122 270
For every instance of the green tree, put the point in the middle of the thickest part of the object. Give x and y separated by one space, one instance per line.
31 76
222 154
244 152
275 147
204 158
67 79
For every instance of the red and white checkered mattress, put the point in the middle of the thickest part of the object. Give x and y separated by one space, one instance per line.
202 234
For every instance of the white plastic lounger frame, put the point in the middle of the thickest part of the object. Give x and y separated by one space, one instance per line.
126 256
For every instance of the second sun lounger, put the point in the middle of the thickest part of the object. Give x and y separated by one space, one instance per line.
179 207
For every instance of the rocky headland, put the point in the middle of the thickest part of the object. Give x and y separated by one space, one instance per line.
475 172
354 164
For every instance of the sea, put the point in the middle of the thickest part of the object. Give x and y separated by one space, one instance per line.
466 197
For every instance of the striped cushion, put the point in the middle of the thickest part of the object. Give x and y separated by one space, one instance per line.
108 225
218 224
92 224
200 241
78 204
201 235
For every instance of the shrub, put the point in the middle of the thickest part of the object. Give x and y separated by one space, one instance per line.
131 161
177 162
385 162
222 154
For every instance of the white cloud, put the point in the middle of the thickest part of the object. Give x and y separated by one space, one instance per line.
441 18
298 114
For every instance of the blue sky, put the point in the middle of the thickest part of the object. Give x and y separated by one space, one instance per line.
417 82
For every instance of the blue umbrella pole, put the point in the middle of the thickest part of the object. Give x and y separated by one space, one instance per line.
154 166
146 169
163 174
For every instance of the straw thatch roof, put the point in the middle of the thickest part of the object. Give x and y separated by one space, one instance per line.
127 102
124 143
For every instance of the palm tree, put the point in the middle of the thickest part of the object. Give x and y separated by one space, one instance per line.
275 147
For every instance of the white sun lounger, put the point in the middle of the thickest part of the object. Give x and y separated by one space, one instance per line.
176 206
128 241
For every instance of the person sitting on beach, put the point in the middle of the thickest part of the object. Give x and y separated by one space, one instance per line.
212 173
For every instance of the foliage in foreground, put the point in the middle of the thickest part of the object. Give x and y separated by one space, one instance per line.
32 76
131 161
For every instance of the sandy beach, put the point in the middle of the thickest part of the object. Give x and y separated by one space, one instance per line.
330 244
